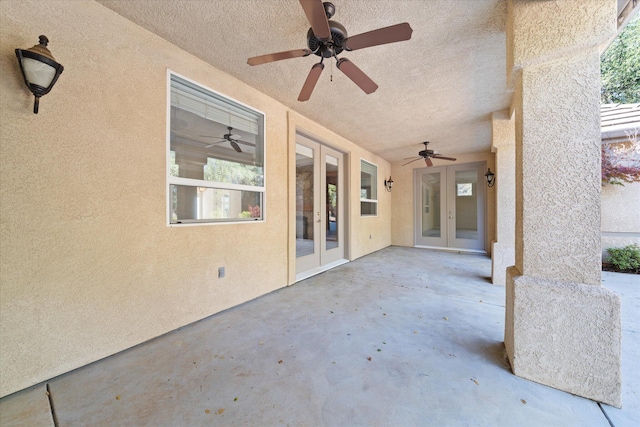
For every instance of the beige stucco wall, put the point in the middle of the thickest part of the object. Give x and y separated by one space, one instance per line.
504 146
402 207
88 266
568 142
620 219
538 22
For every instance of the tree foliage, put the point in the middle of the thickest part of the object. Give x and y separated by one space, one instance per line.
219 170
620 67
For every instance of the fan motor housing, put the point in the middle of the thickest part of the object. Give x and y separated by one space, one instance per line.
329 48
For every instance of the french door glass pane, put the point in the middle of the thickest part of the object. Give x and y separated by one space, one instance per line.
332 189
430 207
467 204
304 201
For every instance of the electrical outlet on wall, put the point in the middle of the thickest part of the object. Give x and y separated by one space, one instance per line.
220 272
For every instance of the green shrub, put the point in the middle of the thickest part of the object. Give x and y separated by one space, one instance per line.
625 259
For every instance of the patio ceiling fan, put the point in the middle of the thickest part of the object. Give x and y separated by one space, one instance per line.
231 138
328 39
427 155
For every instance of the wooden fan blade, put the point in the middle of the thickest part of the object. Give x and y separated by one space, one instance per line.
428 162
357 76
311 81
271 57
414 160
392 34
235 146
438 156
317 17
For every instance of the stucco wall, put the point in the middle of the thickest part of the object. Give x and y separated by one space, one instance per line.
503 145
402 207
88 266
568 142
620 219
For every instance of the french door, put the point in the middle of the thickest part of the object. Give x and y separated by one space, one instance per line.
450 207
320 194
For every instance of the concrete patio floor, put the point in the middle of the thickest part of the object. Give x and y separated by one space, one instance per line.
401 337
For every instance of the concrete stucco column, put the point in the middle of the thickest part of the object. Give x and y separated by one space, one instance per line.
504 145
562 328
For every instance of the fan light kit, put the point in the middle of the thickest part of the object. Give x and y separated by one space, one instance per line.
327 39
427 155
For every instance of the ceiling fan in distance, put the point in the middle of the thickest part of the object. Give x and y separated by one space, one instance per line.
427 155
232 139
328 39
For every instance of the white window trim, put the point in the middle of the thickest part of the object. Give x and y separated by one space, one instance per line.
213 184
174 180
372 201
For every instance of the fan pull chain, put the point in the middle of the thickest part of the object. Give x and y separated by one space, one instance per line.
331 71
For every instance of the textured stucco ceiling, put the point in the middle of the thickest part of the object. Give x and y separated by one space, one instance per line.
441 86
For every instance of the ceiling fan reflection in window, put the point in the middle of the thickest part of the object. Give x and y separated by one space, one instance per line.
327 39
232 139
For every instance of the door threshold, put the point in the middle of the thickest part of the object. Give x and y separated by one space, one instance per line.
459 250
320 269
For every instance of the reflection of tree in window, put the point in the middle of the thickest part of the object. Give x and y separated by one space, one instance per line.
332 196
174 202
465 189
218 170
175 169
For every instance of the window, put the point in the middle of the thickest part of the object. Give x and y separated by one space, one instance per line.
215 159
368 188
465 189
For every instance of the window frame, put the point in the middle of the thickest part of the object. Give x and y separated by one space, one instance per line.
374 182
174 180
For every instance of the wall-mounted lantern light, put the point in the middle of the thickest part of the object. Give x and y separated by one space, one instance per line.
39 69
491 178
388 183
